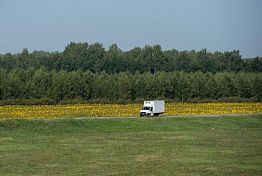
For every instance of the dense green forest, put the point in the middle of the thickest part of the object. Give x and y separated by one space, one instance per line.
95 58
90 73
43 86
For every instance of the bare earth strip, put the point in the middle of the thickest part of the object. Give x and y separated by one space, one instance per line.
248 115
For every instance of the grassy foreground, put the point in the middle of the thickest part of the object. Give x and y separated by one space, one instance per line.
150 146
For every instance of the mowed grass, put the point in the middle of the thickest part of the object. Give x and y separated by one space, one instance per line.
149 146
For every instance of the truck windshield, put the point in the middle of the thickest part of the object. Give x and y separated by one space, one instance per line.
147 108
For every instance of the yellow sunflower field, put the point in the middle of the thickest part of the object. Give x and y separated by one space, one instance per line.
120 110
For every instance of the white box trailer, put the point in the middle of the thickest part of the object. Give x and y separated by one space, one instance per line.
152 108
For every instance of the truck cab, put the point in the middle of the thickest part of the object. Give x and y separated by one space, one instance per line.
146 111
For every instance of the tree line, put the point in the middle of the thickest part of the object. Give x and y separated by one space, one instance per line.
43 86
95 58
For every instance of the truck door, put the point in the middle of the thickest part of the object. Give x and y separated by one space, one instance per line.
152 111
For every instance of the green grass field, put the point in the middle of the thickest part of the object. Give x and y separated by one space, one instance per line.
150 146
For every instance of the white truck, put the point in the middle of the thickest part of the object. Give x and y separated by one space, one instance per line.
152 108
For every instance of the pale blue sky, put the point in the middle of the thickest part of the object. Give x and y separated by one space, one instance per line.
181 24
